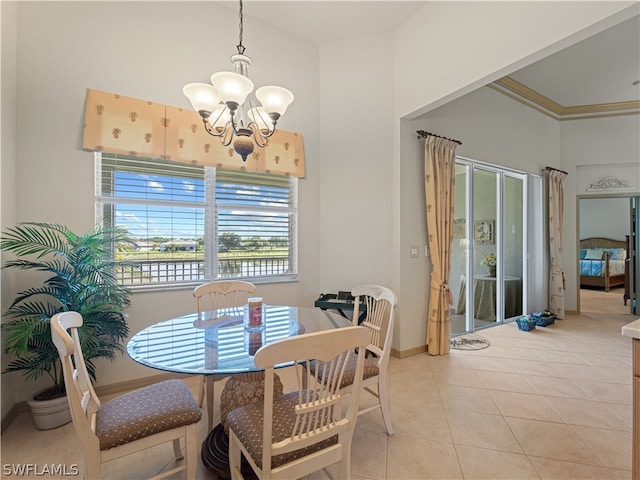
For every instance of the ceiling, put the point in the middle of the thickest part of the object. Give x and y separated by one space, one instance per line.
598 70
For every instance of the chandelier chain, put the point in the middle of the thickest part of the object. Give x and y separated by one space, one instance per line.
228 110
241 27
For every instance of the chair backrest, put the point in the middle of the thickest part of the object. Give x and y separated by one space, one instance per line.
319 410
222 294
83 401
381 304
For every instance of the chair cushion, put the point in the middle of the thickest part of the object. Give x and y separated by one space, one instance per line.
247 423
144 412
370 369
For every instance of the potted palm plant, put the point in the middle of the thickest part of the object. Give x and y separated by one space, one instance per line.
82 278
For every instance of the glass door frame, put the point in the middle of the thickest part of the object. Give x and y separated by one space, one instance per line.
469 249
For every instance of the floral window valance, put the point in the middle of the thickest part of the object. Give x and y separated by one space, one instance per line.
130 126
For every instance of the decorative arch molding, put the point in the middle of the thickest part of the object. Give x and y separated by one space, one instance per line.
609 183
608 179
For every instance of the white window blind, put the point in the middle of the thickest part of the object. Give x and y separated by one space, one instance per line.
255 217
193 224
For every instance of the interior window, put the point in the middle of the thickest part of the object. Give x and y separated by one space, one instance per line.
192 223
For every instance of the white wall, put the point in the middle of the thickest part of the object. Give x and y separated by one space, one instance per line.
492 129
448 49
604 217
147 50
8 23
497 130
590 151
356 114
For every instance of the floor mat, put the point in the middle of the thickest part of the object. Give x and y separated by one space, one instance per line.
471 341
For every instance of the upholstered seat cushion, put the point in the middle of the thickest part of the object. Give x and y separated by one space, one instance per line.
144 412
247 423
370 369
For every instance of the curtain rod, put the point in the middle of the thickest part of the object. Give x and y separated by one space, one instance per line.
551 169
423 134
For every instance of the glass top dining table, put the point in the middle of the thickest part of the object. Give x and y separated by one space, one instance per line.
218 343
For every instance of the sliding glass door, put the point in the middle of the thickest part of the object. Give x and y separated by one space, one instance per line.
489 246
513 244
486 255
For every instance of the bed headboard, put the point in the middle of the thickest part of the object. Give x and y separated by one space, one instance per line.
601 242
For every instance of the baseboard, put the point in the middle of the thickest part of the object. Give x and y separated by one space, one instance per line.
408 353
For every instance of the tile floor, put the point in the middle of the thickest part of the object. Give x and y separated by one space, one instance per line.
554 403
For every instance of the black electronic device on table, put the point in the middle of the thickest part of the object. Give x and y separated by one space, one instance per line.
340 301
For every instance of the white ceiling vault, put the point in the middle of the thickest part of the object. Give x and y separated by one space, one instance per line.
592 77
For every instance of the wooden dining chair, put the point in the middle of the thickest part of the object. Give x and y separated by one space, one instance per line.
210 296
293 434
380 303
134 421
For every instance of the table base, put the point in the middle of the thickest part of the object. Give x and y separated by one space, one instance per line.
240 390
215 455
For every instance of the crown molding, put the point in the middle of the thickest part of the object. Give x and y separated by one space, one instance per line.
527 96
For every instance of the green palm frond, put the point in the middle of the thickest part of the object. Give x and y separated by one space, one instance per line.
34 238
82 278
38 309
27 297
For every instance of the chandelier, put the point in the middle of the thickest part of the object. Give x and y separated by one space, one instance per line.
229 110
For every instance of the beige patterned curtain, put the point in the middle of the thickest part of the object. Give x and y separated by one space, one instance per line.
118 124
556 230
439 173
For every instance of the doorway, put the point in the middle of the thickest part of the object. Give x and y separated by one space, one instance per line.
612 217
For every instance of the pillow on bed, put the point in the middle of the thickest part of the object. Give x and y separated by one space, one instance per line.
583 253
616 253
593 254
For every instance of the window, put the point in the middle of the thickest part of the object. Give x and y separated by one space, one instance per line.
193 224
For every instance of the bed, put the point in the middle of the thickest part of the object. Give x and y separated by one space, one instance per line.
602 262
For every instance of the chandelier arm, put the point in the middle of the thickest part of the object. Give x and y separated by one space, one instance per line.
272 131
260 135
211 130
262 124
229 135
219 117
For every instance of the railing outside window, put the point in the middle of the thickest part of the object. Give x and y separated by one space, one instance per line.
172 271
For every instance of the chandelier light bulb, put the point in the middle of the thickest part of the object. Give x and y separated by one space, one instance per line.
203 96
274 99
233 87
